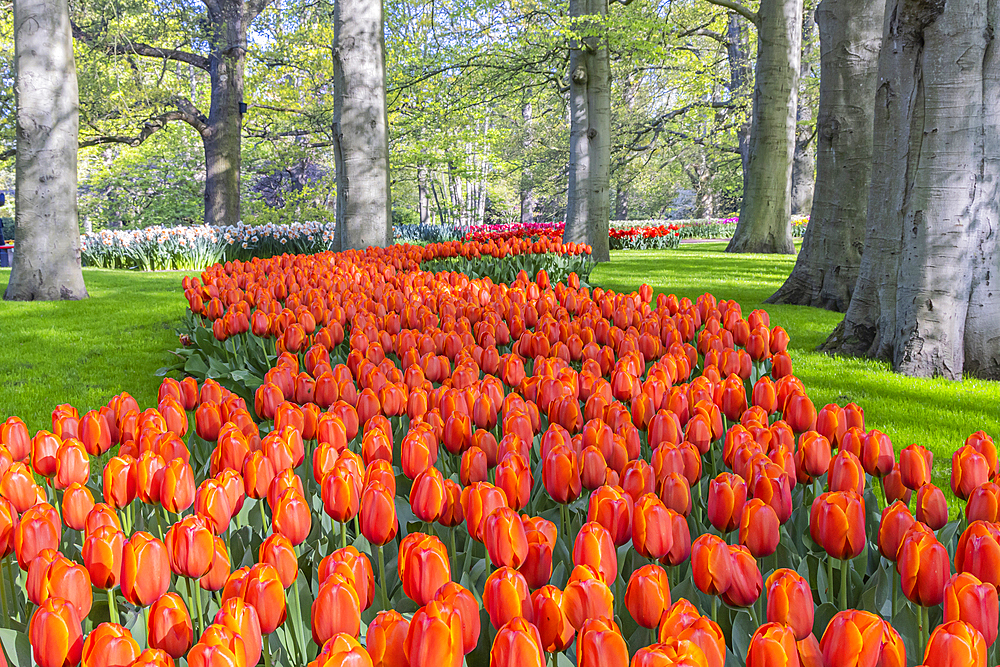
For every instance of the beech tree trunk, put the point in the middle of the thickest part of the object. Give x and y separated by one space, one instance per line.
221 136
926 297
740 78
803 164
589 199
361 127
850 33
423 201
764 224
528 201
47 239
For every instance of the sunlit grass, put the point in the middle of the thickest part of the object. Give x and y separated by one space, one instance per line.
935 413
84 352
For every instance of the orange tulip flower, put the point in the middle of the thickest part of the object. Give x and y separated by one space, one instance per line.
924 568
109 645
955 643
335 610
837 523
790 602
968 599
711 564
435 636
517 644
55 634
170 628
856 638
505 596
600 644
386 638
647 597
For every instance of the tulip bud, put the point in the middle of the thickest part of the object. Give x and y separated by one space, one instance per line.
600 644
170 628
435 636
55 634
837 523
647 597
932 507
711 564
790 602
386 637
759 528
505 596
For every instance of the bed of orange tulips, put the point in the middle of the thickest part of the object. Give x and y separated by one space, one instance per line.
396 467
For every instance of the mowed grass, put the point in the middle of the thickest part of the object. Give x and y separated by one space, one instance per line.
85 352
935 413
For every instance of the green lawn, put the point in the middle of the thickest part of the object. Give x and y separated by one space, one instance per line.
84 352
935 413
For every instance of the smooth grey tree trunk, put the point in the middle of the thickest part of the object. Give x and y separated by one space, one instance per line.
221 135
423 201
764 224
826 270
47 237
740 80
589 199
361 127
804 164
528 201
926 297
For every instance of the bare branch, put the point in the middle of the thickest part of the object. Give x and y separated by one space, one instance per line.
139 49
746 13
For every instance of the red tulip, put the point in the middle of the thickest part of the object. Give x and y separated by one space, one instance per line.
711 564
837 523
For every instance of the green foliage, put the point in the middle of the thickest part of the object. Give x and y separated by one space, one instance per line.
505 270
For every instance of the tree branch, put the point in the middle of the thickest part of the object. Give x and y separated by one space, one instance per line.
746 13
255 7
140 49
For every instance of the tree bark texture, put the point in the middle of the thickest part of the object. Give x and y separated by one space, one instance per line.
423 201
764 224
827 266
740 79
804 164
47 237
589 199
528 201
926 297
361 127
221 135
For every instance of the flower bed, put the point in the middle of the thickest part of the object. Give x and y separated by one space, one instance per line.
646 238
194 248
432 466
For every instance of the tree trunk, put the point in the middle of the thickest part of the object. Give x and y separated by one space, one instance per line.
361 132
47 238
826 270
527 180
764 224
588 201
221 135
803 164
926 296
423 202
621 200
740 77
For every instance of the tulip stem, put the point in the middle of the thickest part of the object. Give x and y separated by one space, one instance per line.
845 575
454 551
829 578
197 601
263 516
343 534
267 650
381 576
112 606
302 641
715 608
895 595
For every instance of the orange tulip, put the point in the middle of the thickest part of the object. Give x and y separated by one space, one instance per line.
335 610
513 476
263 590
652 535
915 465
612 508
746 582
18 486
711 564
208 421
211 503
978 552
190 547
877 454
858 638
505 596
341 493
170 628
478 502
241 619
594 547
837 523
984 503
931 506
68 581
109 645
517 644
955 643
727 496
177 486
278 551
790 602
423 566
427 495
215 579
924 568
435 636
153 657
586 597
385 639
359 569
554 628
896 520
102 556
846 473
468 609
647 597
505 538
55 634
759 528
76 505
600 644
541 536
72 464
968 599
378 514
292 517
561 474
773 645
39 528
